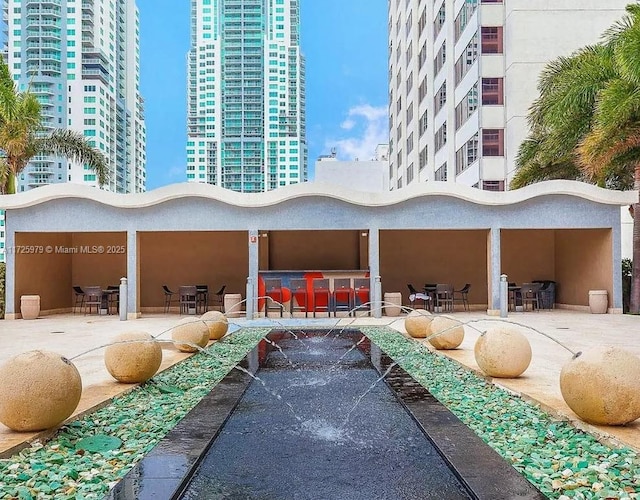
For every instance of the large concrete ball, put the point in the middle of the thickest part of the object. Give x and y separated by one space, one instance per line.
133 358
417 323
217 324
38 390
446 333
602 386
189 333
503 352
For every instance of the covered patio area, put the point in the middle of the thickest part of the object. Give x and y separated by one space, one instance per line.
193 234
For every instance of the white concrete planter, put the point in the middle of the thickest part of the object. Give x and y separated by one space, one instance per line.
598 301
30 306
392 303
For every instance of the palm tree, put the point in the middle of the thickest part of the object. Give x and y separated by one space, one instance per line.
586 123
22 136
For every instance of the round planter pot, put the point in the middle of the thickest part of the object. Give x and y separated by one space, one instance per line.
392 303
30 306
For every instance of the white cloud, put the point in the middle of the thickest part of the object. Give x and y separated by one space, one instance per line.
368 126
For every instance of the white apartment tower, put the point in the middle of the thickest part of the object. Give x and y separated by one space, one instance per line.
82 59
462 75
246 95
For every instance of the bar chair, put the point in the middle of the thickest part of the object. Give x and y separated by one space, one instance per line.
362 295
342 295
202 298
299 296
321 296
273 290
113 299
218 298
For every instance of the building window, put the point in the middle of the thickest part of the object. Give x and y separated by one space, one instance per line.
467 59
467 155
441 58
462 19
422 55
467 106
493 142
493 185
422 22
410 173
439 22
422 158
440 99
492 91
409 83
492 39
441 173
422 127
409 145
422 89
441 137
409 114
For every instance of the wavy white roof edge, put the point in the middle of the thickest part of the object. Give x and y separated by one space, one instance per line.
316 189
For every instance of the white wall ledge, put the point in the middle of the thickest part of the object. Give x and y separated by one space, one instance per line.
315 189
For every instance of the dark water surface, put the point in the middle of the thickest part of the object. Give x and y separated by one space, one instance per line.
310 449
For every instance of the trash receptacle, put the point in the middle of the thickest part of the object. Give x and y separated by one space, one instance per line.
547 293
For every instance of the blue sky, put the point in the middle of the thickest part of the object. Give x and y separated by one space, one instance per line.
345 45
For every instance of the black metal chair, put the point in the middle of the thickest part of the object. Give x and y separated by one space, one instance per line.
299 296
444 297
530 293
188 299
93 298
79 299
168 297
416 295
218 298
463 296
113 299
202 298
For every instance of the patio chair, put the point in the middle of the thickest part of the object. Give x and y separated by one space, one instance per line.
463 294
299 296
188 299
93 298
168 297
444 297
202 298
273 290
530 293
342 295
218 298
416 295
79 299
361 295
113 299
321 296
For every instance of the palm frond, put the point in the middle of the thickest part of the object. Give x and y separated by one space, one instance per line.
600 149
626 50
73 145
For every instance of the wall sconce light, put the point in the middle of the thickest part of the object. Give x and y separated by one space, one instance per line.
365 234
264 235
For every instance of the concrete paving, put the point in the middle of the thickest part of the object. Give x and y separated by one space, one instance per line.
83 338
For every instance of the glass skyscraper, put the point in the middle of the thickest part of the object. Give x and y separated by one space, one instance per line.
81 59
246 95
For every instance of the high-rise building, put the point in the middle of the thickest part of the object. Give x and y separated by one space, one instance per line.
462 75
246 95
81 58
